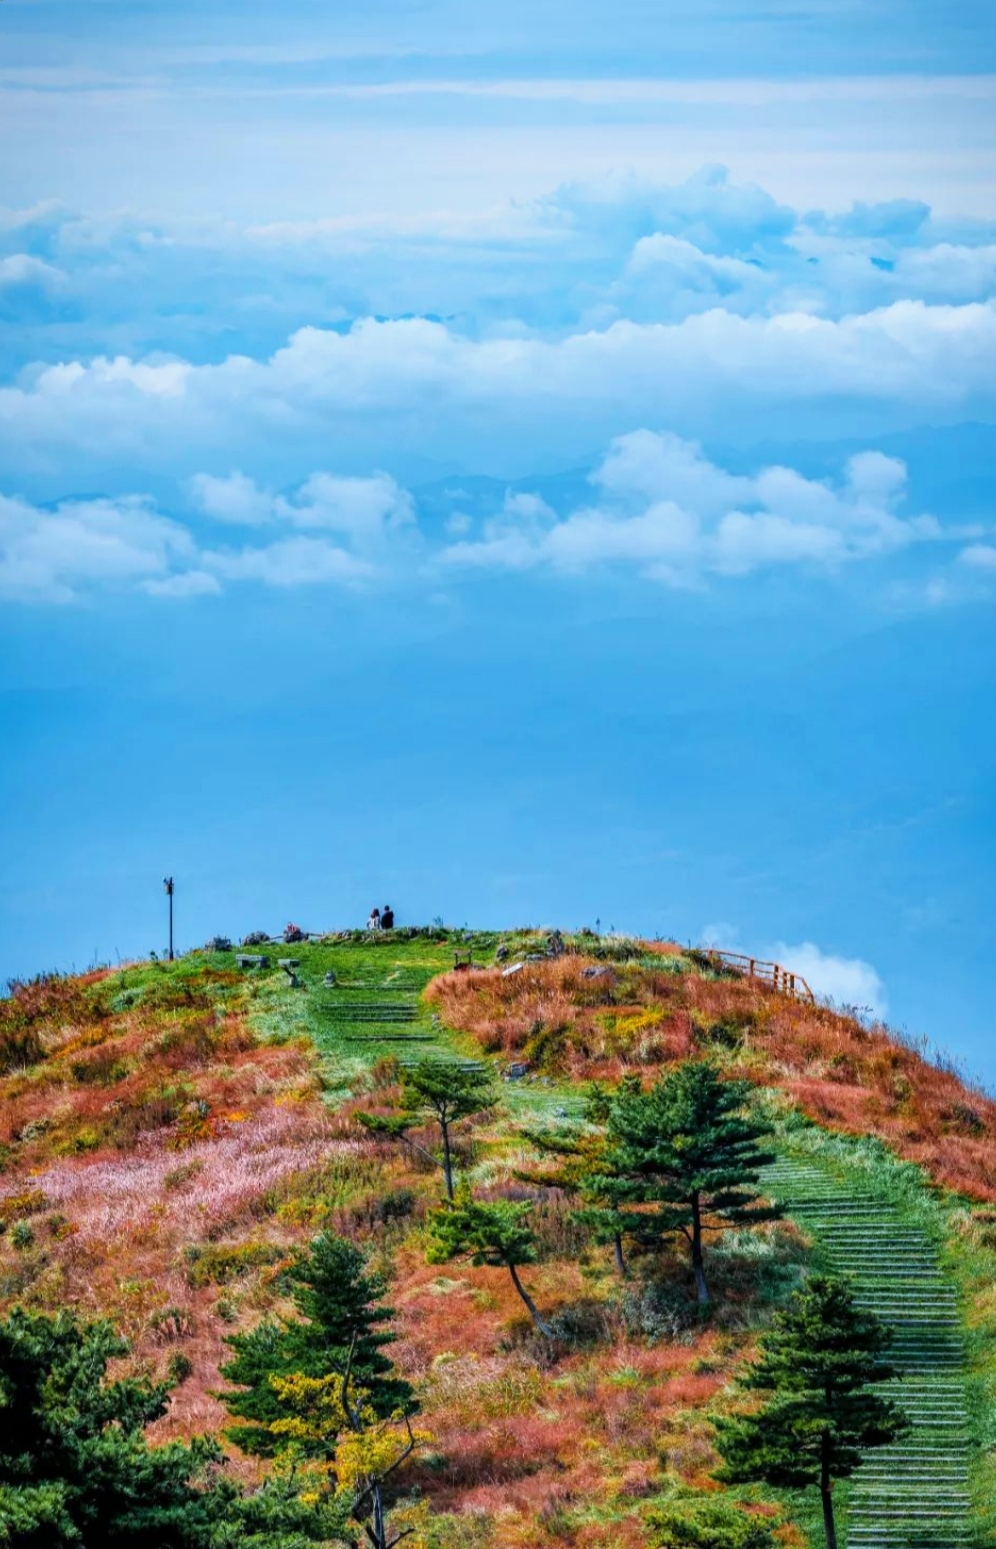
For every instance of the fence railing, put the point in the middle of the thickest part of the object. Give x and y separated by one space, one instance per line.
771 974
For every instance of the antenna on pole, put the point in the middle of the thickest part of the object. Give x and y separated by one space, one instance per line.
168 887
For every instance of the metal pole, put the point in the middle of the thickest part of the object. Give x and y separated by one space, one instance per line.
168 885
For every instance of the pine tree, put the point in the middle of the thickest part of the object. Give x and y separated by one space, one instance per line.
440 1090
341 1321
818 1364
682 1157
494 1233
334 1412
75 1468
283 1514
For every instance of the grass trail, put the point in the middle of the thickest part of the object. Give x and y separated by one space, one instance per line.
375 1009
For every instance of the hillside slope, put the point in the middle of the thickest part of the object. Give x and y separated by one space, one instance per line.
171 1133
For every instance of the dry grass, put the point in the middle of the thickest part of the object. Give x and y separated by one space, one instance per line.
841 1073
166 1163
135 1136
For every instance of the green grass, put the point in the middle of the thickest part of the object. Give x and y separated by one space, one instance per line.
380 970
385 970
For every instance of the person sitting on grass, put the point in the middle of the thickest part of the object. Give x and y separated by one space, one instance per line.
387 918
374 921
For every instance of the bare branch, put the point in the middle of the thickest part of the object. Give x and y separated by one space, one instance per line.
420 1149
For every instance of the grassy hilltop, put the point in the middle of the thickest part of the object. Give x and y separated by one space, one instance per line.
171 1135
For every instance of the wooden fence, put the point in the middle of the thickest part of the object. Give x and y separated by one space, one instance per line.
773 975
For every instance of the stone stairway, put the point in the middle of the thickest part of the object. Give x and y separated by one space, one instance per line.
376 1011
913 1494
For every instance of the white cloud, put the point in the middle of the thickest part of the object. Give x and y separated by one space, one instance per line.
55 555
979 556
364 510
506 400
20 269
664 252
234 499
290 562
669 277
849 981
52 555
676 516
721 934
660 508
948 271
646 466
187 583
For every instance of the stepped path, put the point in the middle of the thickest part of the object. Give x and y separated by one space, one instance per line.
913 1494
377 1010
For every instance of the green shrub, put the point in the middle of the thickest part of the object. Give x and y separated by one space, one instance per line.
729 1032
101 1069
31 1203
220 1263
85 1139
707 1522
180 1367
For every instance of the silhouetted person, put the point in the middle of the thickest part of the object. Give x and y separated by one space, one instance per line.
387 918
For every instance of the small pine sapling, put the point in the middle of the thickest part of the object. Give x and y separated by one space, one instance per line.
493 1233
440 1091
817 1366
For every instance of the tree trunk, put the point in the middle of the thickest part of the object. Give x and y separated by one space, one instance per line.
826 1496
544 1328
617 1249
701 1289
376 1528
447 1159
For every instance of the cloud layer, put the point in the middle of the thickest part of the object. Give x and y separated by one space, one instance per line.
666 509
517 345
658 508
357 531
395 392
521 337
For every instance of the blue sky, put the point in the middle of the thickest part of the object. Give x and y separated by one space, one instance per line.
527 464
